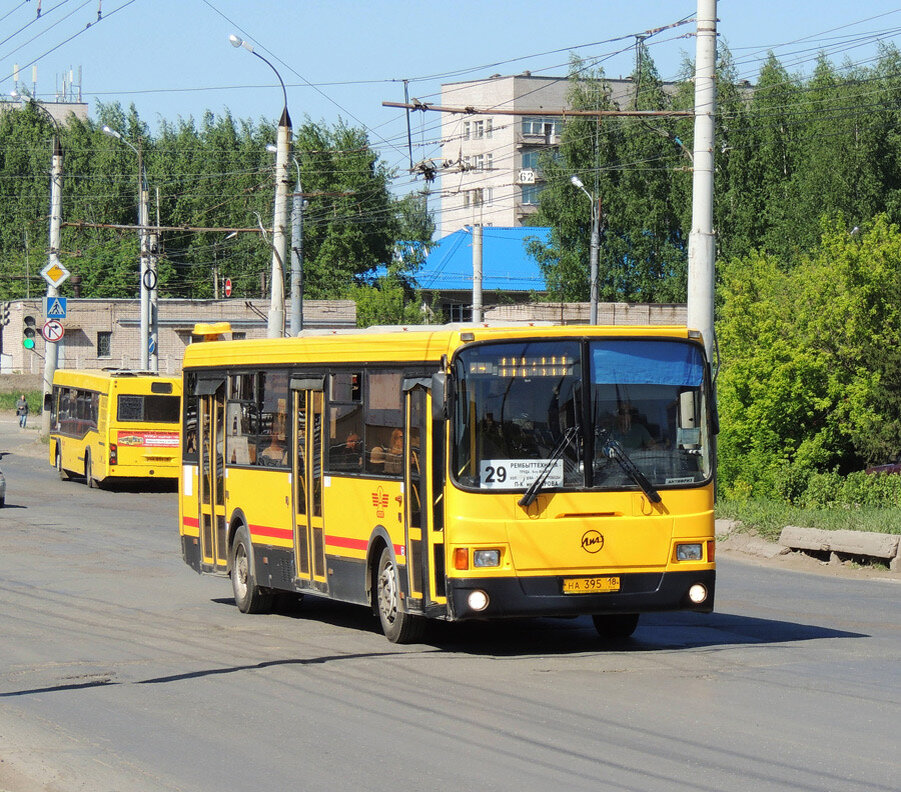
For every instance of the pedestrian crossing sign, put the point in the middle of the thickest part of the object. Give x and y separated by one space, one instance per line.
54 307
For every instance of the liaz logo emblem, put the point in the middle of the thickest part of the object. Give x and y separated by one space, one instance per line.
592 541
380 502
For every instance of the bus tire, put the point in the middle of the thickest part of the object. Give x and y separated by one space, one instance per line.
399 627
63 474
249 597
89 471
615 625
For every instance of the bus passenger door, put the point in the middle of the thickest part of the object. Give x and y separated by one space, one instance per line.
308 426
213 533
420 538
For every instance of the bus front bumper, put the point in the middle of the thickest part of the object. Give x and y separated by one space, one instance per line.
543 596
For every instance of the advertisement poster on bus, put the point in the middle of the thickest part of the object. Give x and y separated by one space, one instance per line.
148 439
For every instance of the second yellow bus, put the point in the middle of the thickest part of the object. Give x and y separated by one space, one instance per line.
114 424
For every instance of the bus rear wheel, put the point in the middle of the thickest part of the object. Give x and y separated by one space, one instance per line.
615 625
399 627
63 474
249 597
89 471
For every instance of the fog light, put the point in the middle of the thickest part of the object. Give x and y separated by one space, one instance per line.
688 552
486 558
697 593
478 600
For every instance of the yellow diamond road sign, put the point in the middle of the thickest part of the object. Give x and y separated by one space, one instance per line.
55 273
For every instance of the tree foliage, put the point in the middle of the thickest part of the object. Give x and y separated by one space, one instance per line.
216 174
811 361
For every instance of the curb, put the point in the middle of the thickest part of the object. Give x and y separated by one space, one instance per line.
850 543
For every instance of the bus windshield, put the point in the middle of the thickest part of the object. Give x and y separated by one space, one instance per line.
555 409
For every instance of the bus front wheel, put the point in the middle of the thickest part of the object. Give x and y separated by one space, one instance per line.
399 627
615 625
249 597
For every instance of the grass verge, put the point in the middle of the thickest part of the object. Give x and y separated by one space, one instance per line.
768 518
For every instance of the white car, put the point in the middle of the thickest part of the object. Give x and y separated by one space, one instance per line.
2 490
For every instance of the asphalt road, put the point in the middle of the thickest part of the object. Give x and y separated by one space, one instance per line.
122 670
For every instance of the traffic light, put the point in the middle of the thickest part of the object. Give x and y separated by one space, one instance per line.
4 314
29 326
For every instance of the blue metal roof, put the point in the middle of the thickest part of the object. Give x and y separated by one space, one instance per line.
506 266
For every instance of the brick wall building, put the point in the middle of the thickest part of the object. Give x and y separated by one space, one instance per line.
101 333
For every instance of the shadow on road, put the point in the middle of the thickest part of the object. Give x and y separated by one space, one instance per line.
510 637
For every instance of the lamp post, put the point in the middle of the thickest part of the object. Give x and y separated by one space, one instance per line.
51 348
148 279
595 244
276 319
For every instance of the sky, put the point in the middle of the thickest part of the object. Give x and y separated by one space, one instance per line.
342 59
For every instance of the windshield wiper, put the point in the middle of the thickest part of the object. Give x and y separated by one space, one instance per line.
612 449
535 487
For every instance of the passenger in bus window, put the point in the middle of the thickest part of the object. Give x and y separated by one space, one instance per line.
389 460
348 456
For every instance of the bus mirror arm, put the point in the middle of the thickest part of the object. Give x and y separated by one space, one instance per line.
439 396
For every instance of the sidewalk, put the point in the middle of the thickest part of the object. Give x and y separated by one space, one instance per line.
23 442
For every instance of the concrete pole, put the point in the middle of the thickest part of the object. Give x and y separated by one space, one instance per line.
595 246
51 348
146 275
275 327
153 245
297 257
477 273
702 239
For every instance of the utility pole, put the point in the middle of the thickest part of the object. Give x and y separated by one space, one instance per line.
593 250
275 326
51 348
702 239
146 273
153 244
147 276
477 273
297 256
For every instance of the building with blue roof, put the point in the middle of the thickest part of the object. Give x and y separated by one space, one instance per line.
509 273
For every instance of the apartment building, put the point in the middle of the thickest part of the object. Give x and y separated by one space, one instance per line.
489 170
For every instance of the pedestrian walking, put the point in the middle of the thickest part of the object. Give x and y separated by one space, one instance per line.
22 411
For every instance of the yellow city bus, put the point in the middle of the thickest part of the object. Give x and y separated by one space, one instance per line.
464 472
114 423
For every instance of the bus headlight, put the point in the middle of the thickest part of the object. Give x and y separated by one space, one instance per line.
697 593
689 552
486 558
477 600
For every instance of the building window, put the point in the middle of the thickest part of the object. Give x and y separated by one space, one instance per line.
480 129
104 344
466 129
530 160
546 126
479 197
530 194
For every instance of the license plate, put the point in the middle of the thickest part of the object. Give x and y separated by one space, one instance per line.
590 585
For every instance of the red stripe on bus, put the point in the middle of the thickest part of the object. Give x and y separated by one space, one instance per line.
191 522
275 533
357 544
345 541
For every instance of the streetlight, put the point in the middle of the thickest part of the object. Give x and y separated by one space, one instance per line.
276 321
595 244
148 281
51 349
